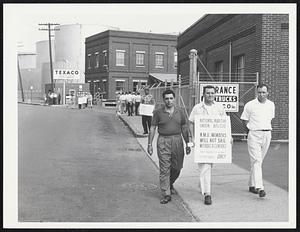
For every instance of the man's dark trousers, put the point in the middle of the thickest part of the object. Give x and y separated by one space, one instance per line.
146 122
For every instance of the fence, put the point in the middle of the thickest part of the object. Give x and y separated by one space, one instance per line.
34 96
187 96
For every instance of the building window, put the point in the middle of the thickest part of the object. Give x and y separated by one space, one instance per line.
97 59
239 67
120 57
89 61
140 57
219 70
159 60
175 60
104 57
120 85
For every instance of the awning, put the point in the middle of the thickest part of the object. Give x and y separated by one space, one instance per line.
162 77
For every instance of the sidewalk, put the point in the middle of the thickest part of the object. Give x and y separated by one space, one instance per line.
231 201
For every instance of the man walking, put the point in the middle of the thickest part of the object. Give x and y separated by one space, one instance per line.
146 119
207 107
172 124
258 115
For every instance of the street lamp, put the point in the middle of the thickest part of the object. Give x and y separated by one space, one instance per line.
31 88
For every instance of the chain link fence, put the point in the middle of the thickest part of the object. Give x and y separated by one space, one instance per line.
187 96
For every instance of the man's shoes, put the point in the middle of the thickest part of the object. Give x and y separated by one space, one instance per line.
173 191
165 199
253 190
207 200
262 193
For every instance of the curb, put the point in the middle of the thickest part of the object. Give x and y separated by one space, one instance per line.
131 129
181 200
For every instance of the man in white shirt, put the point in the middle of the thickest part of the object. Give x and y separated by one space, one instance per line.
137 101
258 115
129 100
207 107
122 102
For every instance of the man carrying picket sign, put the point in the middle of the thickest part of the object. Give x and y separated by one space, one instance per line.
206 108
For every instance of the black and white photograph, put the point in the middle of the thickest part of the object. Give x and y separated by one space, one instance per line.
172 115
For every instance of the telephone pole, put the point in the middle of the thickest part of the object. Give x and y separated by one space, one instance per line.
20 44
49 29
20 80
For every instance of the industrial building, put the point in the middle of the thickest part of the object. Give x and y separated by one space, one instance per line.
242 48
123 60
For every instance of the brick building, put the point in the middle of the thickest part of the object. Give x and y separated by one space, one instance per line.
123 60
236 46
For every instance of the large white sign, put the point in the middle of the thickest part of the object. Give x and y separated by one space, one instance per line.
66 74
212 139
226 93
146 109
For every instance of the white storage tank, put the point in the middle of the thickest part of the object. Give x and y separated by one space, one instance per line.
70 46
43 62
42 52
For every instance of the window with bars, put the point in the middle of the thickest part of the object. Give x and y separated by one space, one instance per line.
219 68
104 57
97 59
175 60
89 61
140 57
159 60
120 57
239 67
120 85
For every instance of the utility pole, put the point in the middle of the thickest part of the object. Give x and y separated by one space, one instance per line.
20 80
20 44
49 29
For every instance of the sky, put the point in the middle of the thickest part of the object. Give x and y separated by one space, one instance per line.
156 18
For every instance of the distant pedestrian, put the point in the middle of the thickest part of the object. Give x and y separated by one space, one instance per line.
123 102
129 100
172 124
146 119
90 100
118 103
58 98
137 101
258 115
207 107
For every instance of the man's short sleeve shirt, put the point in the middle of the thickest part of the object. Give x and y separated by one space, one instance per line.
203 109
259 115
168 125
148 99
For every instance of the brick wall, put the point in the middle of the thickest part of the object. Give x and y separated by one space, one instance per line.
261 38
130 42
211 37
275 68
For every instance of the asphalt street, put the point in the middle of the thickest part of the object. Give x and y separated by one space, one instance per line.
85 166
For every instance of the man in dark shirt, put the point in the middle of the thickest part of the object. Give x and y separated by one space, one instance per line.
172 124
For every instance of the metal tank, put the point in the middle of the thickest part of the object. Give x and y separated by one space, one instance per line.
43 62
42 52
70 46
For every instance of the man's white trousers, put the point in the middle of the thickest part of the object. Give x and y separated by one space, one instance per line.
205 177
258 145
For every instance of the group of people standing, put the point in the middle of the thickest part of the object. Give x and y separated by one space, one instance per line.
174 127
52 98
128 102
